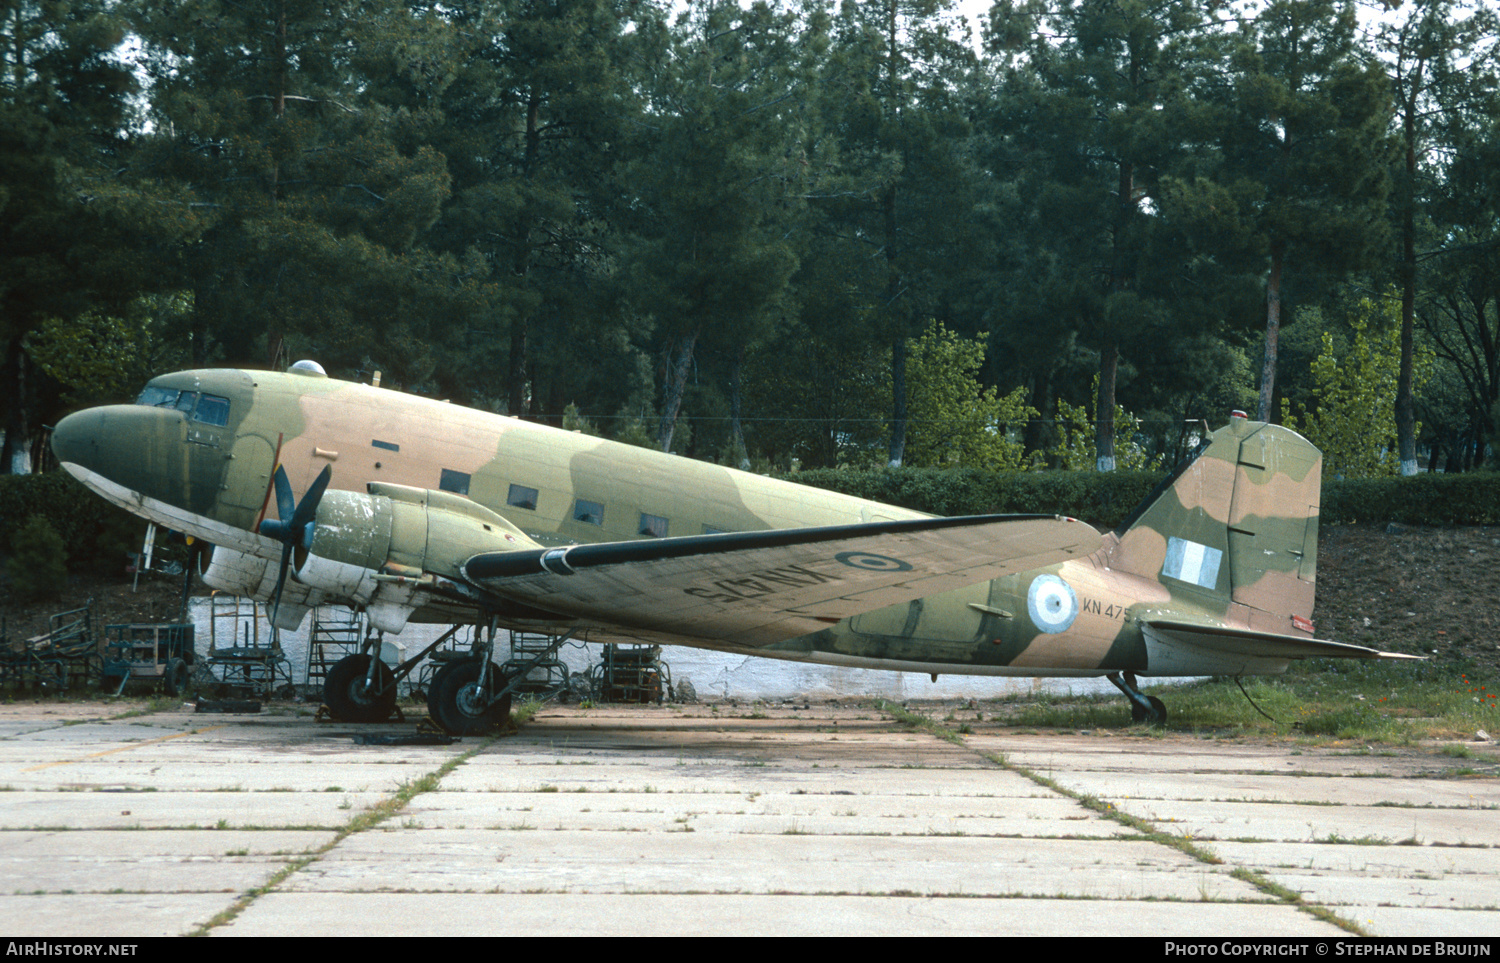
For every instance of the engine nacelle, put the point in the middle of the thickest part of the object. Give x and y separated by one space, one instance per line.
378 550
253 577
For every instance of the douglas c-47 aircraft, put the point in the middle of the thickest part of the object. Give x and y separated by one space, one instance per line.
413 509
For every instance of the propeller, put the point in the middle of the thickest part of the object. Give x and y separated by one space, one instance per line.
294 526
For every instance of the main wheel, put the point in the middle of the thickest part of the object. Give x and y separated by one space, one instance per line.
175 680
350 700
1156 716
458 705
436 683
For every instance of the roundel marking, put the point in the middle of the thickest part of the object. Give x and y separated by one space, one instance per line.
1051 604
873 562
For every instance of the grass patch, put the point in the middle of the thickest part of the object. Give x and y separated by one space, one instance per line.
1325 700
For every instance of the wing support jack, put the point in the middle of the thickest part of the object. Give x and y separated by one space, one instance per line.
1143 708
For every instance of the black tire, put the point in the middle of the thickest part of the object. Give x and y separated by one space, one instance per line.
1155 717
454 693
348 699
174 681
436 683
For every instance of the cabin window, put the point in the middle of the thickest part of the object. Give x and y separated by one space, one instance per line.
212 410
653 525
454 481
387 445
587 511
521 497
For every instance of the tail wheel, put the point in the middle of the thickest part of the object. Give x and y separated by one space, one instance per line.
1156 716
349 699
460 706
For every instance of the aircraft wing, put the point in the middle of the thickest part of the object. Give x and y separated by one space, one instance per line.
756 588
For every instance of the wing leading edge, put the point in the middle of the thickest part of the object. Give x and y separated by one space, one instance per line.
756 588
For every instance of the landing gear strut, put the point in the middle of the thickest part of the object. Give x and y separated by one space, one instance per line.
1143 708
362 688
473 696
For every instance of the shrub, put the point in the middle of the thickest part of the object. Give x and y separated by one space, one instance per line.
38 564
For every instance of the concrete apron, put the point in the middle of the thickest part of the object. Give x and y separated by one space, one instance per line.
722 819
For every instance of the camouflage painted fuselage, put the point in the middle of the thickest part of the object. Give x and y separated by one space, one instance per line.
1225 551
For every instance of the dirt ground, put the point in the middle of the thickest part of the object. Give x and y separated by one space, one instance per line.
1422 591
1427 591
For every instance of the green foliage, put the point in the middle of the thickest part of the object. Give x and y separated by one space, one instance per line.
632 429
103 357
1354 419
1077 427
574 421
38 563
1426 499
953 421
96 533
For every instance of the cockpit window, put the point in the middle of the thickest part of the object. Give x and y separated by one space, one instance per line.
205 409
159 397
212 410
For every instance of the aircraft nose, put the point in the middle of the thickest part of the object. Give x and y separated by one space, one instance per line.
76 438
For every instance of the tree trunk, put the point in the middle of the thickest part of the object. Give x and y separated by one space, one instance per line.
1104 431
16 422
898 403
1406 423
1041 431
1273 331
677 375
738 455
516 399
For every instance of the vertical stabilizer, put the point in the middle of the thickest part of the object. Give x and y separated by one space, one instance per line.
1234 529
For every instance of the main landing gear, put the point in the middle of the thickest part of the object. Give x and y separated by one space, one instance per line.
467 697
362 688
1143 708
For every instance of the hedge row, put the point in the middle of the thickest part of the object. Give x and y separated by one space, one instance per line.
1468 499
1104 499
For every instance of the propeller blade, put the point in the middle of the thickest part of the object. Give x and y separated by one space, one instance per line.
308 507
294 527
286 503
281 570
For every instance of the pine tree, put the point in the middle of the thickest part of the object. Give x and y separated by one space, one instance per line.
73 236
314 200
1441 56
1305 150
714 188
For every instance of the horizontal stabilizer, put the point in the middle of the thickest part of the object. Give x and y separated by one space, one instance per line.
1240 650
756 588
